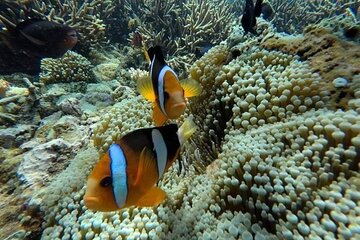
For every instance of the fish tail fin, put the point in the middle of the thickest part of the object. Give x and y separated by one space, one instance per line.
156 51
186 130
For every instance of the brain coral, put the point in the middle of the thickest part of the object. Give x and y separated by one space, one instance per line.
287 163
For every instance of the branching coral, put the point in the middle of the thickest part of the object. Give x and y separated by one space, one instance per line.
293 16
181 27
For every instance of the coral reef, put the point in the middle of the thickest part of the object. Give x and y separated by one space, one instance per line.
72 67
293 16
17 101
123 117
287 163
274 157
328 53
181 27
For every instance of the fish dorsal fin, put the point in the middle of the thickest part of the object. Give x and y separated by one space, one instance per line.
32 39
147 170
10 27
152 198
191 87
27 22
145 87
158 116
156 52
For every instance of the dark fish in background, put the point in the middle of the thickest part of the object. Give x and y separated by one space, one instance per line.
267 11
11 62
40 38
248 20
30 41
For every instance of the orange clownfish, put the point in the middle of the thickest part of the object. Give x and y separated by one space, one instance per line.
164 88
127 173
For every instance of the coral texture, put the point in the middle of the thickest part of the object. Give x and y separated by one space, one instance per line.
328 54
72 67
284 162
293 176
293 16
123 117
181 26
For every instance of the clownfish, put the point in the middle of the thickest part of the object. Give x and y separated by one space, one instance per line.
164 89
127 173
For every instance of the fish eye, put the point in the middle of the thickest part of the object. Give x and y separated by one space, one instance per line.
106 181
166 95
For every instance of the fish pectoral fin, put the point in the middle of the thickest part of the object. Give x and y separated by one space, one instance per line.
32 39
191 87
145 87
147 169
152 198
158 116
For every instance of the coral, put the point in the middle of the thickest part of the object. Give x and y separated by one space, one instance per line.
10 204
293 16
4 85
43 161
125 116
106 71
181 27
284 163
72 67
87 17
328 54
257 88
285 171
293 178
17 101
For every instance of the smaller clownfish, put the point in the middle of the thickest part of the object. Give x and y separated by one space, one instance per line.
127 173
164 88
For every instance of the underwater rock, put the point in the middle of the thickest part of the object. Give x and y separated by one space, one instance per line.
70 106
15 136
106 71
27 146
42 163
66 127
99 95
123 92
